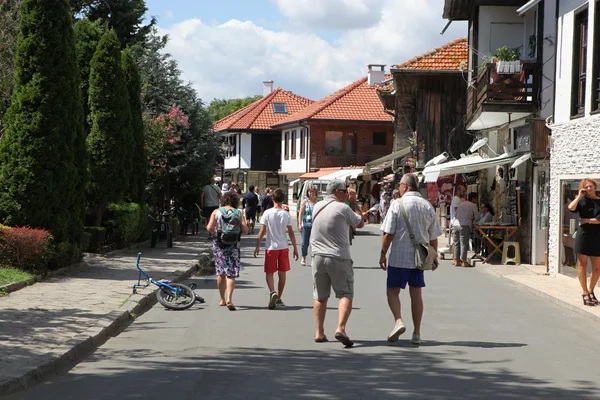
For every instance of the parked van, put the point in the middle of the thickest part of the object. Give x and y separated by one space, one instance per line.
321 186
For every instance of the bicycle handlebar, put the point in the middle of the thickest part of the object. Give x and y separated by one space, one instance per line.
137 263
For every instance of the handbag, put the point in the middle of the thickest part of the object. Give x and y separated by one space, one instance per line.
425 254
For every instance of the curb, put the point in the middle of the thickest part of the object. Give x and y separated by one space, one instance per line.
544 295
75 350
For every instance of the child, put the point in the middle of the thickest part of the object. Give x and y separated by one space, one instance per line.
275 222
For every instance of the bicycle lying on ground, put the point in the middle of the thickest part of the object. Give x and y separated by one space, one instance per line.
174 296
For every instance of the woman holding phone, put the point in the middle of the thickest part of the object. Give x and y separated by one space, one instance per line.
587 240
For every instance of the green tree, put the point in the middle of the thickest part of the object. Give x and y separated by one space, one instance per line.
87 36
126 17
9 31
220 108
139 162
38 170
109 140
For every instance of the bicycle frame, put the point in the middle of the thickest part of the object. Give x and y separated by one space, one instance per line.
149 279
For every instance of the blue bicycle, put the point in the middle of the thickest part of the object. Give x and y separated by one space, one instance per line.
174 296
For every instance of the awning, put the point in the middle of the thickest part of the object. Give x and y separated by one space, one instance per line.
465 165
319 173
389 159
526 7
343 174
292 183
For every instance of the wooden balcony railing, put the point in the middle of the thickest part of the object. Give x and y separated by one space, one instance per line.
323 160
500 90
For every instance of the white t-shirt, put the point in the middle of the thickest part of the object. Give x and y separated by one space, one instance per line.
277 221
455 203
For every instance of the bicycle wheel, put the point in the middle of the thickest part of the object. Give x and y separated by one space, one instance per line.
178 298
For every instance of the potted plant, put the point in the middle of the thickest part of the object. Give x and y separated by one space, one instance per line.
508 60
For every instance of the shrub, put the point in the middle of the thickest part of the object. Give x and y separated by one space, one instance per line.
97 236
63 254
25 248
126 223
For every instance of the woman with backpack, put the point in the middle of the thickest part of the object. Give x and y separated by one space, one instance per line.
228 224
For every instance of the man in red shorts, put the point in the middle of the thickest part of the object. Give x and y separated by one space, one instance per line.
275 222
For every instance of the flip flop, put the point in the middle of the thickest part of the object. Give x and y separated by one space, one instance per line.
342 337
231 307
322 340
303 263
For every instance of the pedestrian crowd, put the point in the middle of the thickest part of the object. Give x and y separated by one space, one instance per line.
409 226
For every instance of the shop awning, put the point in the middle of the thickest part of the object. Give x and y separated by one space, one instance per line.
465 165
343 174
387 160
319 173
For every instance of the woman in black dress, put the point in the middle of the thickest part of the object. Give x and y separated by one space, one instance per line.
587 240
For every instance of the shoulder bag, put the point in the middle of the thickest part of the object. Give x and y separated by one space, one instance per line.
425 254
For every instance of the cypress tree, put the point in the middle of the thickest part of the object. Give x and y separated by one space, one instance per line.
139 162
109 141
39 175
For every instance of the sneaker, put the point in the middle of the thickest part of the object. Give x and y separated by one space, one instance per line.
398 330
272 300
279 303
416 339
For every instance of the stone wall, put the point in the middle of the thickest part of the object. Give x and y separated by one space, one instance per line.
574 155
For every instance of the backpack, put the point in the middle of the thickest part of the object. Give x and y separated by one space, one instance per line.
230 226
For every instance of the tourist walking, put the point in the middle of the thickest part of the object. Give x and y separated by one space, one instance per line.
267 201
305 220
386 199
459 192
250 203
587 238
466 214
332 263
228 224
276 221
210 199
259 206
401 268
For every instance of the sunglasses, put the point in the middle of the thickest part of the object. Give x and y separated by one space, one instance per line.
343 190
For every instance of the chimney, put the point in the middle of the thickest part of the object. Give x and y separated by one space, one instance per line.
376 74
267 88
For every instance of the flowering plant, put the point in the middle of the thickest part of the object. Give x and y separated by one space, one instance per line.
162 134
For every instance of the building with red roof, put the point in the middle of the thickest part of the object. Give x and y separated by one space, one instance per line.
252 148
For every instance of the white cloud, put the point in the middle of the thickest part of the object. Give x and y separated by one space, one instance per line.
333 14
232 59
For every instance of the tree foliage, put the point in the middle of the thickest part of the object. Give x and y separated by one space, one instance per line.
109 142
39 173
139 164
220 108
125 17
9 31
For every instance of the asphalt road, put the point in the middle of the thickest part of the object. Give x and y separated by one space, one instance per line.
482 339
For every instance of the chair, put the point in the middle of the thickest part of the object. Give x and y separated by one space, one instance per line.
517 249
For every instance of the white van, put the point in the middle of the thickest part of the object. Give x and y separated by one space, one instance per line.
321 186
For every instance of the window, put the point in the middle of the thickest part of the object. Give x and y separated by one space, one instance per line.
302 143
231 141
579 64
293 139
279 108
286 145
379 138
351 143
596 62
333 143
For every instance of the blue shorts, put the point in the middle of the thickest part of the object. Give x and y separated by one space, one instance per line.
399 277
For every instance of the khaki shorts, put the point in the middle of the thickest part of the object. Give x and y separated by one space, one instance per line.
330 271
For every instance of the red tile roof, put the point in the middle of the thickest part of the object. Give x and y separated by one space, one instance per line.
445 58
356 102
320 172
260 114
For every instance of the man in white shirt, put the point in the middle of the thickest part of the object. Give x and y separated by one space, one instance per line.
332 263
401 268
276 221
459 192
466 213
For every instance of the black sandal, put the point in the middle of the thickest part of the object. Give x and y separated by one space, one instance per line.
593 297
322 340
587 300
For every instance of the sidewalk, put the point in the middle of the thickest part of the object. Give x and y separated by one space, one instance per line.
50 326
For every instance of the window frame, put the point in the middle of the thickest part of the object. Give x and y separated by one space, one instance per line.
302 143
286 145
285 110
383 135
580 62
596 62
341 142
293 144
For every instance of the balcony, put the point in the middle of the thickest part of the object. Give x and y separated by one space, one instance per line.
496 99
324 160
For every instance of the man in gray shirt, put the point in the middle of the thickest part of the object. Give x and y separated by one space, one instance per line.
332 263
210 199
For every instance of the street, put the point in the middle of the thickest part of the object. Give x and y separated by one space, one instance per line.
482 338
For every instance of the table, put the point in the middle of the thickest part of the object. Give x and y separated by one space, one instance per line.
510 230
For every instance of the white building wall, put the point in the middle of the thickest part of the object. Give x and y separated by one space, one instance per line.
233 162
294 165
502 26
571 158
245 150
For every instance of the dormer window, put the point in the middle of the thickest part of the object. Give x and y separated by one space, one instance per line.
279 108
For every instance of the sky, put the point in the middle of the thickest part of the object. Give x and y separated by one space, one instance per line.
227 48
